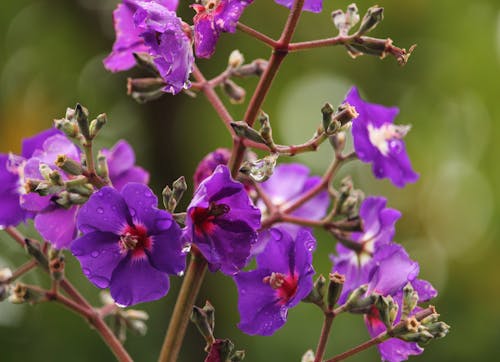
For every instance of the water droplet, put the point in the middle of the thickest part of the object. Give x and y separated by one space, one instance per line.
396 146
148 194
113 208
100 210
310 245
86 271
95 253
186 249
100 281
132 211
276 234
181 273
120 305
76 251
163 224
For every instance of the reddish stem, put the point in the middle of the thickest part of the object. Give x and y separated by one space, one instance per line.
325 333
23 269
257 35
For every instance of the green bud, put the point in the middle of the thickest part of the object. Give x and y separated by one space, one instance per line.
137 326
22 293
45 171
166 195
372 18
210 313
69 128
410 300
76 199
260 170
144 97
327 112
97 124
438 329
265 130
387 310
81 116
434 317
334 288
317 294
146 61
34 250
69 165
238 356
102 169
242 129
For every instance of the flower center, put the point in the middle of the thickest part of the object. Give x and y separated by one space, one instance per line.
204 218
387 137
135 239
285 285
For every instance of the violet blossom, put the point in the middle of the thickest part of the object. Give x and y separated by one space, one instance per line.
57 224
379 141
11 169
213 18
154 28
378 223
128 244
209 163
222 222
284 276
393 271
314 6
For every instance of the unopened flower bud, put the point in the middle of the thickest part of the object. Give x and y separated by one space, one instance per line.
238 356
77 199
97 124
199 318
179 186
21 293
352 15
69 128
137 326
146 61
242 129
102 169
235 93
236 59
81 116
438 329
410 300
387 310
265 130
210 313
257 67
334 288
5 274
327 112
33 249
338 18
69 165
166 194
372 18
317 294
45 171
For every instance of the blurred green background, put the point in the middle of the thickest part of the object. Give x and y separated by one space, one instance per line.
51 58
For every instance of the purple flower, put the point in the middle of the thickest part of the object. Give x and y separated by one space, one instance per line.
208 164
212 19
152 26
222 222
379 141
298 181
11 212
11 166
282 279
163 34
54 222
314 6
128 244
378 224
121 164
393 271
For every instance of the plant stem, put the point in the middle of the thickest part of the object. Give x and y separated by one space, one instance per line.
16 235
23 269
280 50
183 307
257 35
325 333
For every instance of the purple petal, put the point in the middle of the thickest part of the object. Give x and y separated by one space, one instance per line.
99 254
209 163
314 6
57 225
424 289
11 212
105 211
315 208
257 303
136 281
296 176
227 15
205 36
31 144
394 270
54 146
127 40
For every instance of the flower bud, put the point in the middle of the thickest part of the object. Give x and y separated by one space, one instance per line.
327 112
256 67
410 300
179 186
81 116
5 275
317 294
69 165
265 130
146 61
242 129
387 310
235 93
200 319
102 169
236 59
56 267
334 288
34 250
97 124
69 128
308 356
372 18
338 141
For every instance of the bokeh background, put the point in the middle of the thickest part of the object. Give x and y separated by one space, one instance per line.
51 58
